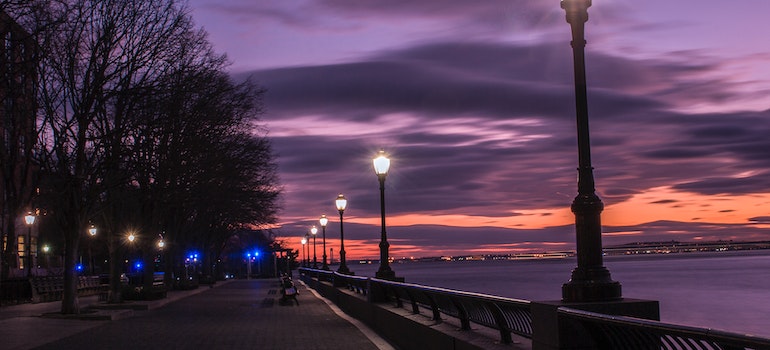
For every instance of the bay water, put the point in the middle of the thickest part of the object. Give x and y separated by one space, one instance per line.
720 290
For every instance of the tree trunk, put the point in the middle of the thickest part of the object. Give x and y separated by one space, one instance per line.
9 252
114 295
168 266
69 304
148 273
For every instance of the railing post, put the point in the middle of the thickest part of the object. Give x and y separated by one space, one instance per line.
465 321
502 324
377 292
552 331
415 307
434 308
337 280
370 298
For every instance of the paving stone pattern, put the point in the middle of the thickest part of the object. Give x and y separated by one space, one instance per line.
238 315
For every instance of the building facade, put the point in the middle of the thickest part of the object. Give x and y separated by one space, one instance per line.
17 140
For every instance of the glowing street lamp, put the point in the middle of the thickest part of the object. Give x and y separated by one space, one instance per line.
304 241
30 220
590 280
314 231
341 202
92 233
381 167
46 249
323 220
131 237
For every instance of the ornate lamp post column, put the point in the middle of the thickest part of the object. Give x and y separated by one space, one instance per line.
381 167
590 280
30 220
314 231
323 220
341 204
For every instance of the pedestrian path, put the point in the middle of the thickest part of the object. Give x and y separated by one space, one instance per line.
241 314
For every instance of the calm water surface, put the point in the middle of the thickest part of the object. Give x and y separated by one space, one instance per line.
725 290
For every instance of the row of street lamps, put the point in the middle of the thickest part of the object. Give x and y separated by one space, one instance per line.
381 166
30 220
590 280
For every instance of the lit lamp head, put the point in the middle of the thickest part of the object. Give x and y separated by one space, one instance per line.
29 218
304 241
161 243
323 220
131 237
341 203
381 165
92 230
46 248
313 230
576 9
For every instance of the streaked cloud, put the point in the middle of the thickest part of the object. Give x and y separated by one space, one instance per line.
475 104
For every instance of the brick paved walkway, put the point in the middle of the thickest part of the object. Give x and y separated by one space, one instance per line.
237 315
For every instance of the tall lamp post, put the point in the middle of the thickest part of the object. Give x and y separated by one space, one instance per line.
248 266
161 244
590 280
46 249
131 237
341 204
323 220
304 241
30 220
314 231
381 167
92 233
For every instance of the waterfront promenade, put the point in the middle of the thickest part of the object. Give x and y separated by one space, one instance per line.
240 314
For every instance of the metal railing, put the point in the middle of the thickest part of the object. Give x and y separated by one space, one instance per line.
513 316
619 332
503 314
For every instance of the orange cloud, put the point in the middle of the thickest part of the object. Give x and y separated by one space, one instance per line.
665 203
654 204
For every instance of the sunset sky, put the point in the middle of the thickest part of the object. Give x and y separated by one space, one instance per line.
474 101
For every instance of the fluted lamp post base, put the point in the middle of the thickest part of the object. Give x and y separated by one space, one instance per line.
389 275
591 285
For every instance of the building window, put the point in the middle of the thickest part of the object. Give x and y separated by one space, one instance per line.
22 247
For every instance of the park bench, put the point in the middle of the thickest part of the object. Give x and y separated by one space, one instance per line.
51 288
135 287
288 290
158 285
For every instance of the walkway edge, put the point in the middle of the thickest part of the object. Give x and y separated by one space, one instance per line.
375 338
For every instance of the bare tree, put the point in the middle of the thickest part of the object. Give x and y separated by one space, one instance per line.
100 59
141 128
206 168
